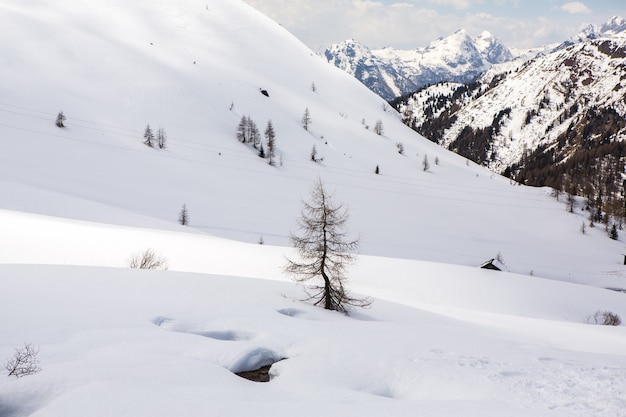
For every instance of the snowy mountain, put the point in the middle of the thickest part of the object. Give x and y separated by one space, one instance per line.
442 336
614 26
539 121
491 49
391 73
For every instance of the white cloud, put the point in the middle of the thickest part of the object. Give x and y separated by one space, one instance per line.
457 4
409 24
575 7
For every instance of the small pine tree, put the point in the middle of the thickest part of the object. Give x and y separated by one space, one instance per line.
306 119
425 163
148 137
60 120
242 129
270 136
161 138
261 152
255 135
583 228
377 170
378 127
314 154
183 216
436 160
613 233
400 147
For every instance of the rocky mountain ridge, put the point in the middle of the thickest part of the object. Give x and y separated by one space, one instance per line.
392 72
556 120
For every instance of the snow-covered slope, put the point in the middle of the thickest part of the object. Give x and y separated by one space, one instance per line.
443 336
391 73
543 99
196 70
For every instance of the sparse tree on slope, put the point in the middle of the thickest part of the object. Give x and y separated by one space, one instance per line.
325 251
248 132
161 138
242 129
183 216
313 154
378 127
60 120
24 362
148 137
306 119
255 135
270 136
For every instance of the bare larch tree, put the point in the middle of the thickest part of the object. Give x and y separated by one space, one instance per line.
325 251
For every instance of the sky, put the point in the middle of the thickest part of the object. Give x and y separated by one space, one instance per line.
408 24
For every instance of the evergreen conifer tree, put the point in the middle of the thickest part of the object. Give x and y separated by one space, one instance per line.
148 137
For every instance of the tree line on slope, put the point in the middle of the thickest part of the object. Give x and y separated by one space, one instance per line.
588 159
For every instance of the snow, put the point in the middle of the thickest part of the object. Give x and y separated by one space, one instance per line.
442 338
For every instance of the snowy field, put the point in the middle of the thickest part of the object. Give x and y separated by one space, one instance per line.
443 338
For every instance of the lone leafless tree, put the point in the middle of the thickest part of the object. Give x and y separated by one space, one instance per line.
325 251
24 361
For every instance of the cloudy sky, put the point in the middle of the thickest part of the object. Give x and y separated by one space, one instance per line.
414 23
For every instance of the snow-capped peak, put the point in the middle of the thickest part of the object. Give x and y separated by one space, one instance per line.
616 25
491 49
455 51
451 42
392 72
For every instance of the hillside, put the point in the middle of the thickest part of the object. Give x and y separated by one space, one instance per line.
556 120
443 336
110 86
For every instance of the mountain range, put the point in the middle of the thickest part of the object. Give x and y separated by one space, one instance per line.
393 72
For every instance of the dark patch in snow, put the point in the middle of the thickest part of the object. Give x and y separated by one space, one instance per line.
255 365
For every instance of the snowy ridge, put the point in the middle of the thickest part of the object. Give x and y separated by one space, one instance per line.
537 97
391 72
443 336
